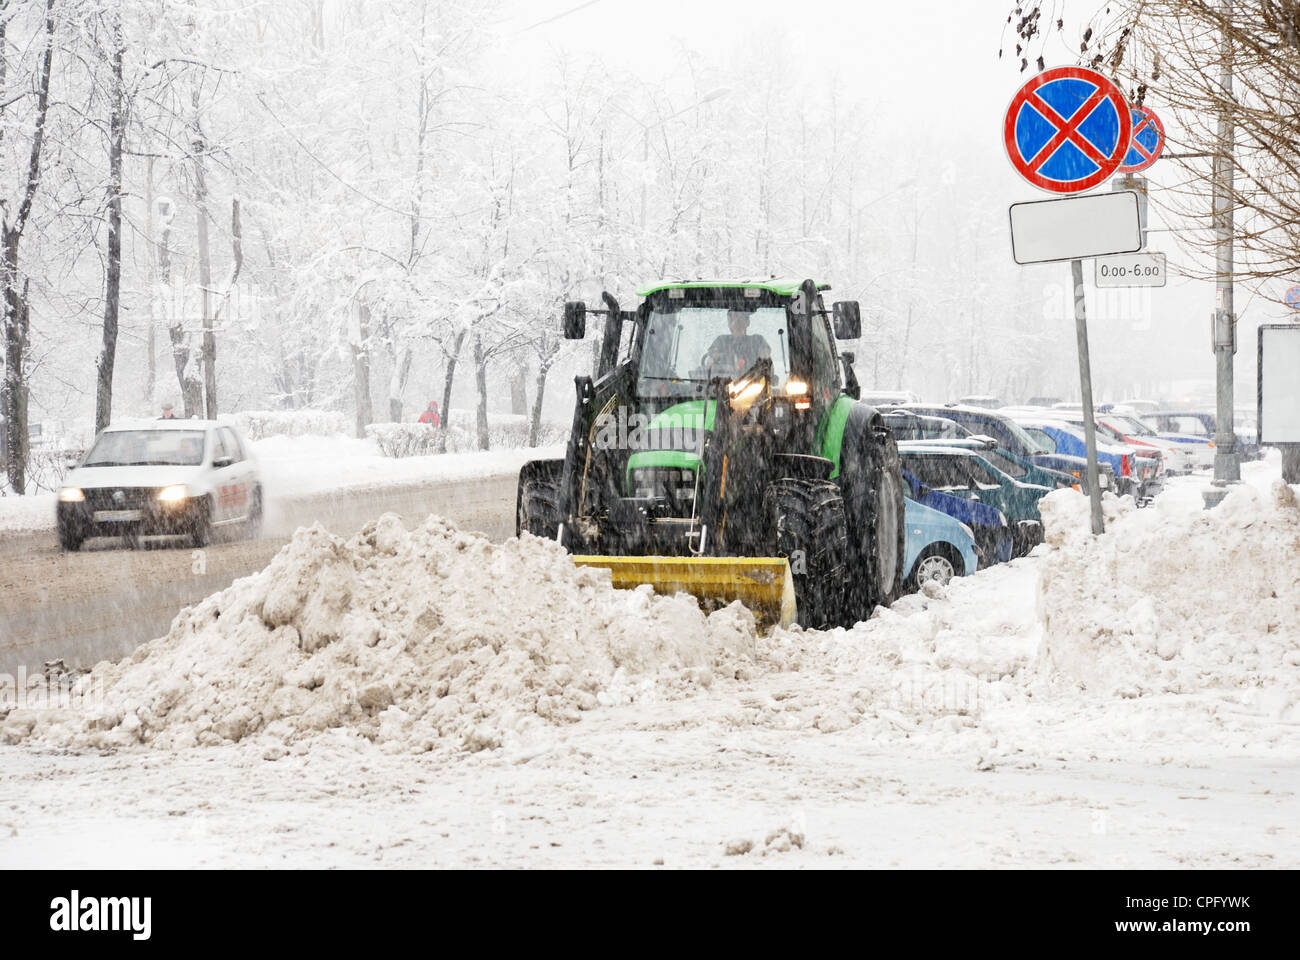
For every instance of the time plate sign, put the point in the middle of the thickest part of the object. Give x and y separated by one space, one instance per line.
1131 270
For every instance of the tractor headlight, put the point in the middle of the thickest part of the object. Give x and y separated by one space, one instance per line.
174 494
745 392
71 495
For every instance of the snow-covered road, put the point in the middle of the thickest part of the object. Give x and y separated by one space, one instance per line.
106 600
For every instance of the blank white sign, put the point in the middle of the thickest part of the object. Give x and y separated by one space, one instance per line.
1279 384
1075 228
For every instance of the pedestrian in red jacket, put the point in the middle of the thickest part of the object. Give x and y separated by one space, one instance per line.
430 416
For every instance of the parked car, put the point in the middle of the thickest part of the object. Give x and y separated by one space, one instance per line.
965 473
161 477
937 548
1179 459
1136 476
1196 430
993 540
1151 465
881 398
911 426
984 400
1011 438
1021 468
1142 406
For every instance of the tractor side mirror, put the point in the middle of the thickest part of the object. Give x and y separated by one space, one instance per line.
848 319
575 320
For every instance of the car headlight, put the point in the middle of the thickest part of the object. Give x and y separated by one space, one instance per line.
174 494
969 532
71 495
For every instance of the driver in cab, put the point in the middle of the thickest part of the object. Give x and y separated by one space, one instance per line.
738 351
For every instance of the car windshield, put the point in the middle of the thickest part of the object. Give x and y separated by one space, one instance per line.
136 448
1131 424
1031 445
686 348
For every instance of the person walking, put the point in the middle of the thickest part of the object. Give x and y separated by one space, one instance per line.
430 415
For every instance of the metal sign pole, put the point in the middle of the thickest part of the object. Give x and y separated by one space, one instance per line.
1085 382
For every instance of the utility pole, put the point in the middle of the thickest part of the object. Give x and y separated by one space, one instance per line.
1227 465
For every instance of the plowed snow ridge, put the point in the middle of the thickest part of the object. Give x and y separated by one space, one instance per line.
1173 634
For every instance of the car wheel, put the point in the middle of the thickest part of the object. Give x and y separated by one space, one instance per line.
201 523
253 524
934 564
69 539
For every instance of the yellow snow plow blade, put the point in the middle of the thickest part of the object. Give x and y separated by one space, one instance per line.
762 584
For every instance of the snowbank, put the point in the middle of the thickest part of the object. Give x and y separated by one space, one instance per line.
1176 602
432 639
1173 636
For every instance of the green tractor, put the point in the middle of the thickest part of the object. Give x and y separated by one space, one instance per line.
722 434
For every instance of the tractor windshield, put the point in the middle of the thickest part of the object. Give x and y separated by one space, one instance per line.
686 348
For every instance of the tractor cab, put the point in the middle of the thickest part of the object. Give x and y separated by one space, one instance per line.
715 406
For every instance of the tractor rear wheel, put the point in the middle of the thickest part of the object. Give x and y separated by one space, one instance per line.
806 524
873 487
890 527
538 507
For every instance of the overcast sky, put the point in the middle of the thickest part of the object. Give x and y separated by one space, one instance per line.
930 69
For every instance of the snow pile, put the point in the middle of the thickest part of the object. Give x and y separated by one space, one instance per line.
431 639
1170 601
935 666
1175 633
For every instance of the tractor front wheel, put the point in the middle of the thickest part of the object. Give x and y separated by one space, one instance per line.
807 526
538 507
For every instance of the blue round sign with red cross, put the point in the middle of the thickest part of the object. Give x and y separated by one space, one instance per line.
1293 298
1067 129
1147 143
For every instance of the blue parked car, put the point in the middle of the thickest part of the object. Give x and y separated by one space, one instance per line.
938 547
1129 467
1011 438
992 535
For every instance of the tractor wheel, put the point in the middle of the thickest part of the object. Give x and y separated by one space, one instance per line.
877 530
806 524
538 507
890 527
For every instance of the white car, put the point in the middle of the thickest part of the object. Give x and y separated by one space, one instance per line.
161 477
